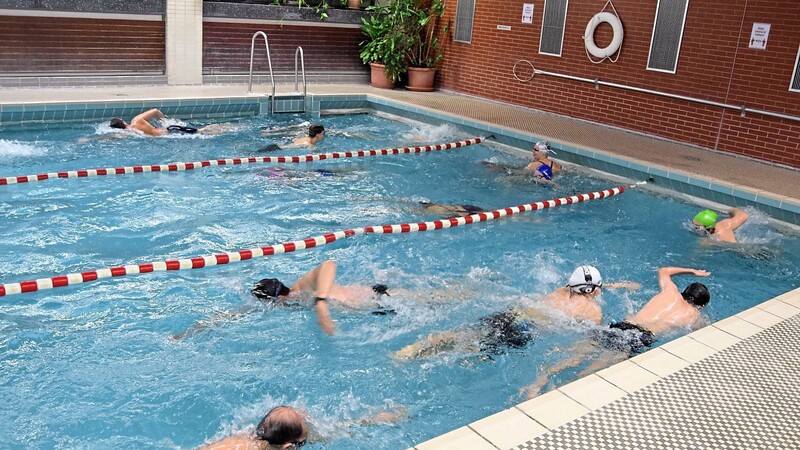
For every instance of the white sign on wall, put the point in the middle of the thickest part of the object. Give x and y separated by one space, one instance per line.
759 36
527 13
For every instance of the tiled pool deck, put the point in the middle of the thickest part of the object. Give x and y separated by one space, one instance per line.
732 385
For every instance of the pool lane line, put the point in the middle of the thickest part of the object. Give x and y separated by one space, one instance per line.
288 247
183 166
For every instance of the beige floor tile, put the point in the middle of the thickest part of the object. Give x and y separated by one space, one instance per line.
592 392
688 349
714 337
659 362
508 428
459 439
791 297
759 317
553 409
780 308
628 376
738 327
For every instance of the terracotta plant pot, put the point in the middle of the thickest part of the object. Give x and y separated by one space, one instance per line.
354 4
378 77
420 79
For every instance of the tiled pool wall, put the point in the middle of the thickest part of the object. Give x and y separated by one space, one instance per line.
781 208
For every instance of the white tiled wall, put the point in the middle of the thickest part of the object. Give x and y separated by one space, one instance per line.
184 36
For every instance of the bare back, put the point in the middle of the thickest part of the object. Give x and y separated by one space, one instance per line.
579 307
667 310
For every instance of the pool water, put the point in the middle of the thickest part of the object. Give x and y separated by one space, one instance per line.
94 366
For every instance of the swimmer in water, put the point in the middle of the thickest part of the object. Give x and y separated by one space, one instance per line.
514 328
274 172
542 166
316 286
141 123
287 428
667 311
316 133
706 222
450 210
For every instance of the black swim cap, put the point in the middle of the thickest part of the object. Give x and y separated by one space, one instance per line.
116 122
314 130
269 289
696 294
282 425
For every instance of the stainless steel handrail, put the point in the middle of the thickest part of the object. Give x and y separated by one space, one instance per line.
297 52
269 61
597 83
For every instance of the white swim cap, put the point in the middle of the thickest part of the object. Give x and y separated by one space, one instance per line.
584 280
544 147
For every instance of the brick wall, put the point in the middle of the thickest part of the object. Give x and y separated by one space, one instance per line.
715 63
226 47
45 45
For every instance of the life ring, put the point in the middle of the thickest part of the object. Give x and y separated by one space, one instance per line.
616 42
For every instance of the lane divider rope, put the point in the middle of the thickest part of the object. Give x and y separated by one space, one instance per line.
288 247
183 166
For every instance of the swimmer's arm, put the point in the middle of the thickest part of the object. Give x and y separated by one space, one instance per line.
320 280
738 218
154 113
629 285
208 323
665 275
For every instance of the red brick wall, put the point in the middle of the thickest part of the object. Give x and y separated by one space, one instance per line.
226 47
715 63
45 45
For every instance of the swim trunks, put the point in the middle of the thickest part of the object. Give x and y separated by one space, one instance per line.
625 337
181 129
325 173
505 330
269 148
472 209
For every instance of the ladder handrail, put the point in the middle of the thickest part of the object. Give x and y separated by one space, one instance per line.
269 61
303 68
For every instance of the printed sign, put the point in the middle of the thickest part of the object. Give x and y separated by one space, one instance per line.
759 36
527 13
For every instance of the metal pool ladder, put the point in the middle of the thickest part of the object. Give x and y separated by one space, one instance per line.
294 98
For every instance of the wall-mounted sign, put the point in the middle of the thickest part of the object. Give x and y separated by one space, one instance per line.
527 13
759 36
504 27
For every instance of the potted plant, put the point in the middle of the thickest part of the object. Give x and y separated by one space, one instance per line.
384 48
423 51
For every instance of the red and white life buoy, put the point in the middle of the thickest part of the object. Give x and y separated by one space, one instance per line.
616 41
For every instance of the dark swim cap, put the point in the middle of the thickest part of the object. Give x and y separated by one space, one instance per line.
696 294
282 425
314 130
269 289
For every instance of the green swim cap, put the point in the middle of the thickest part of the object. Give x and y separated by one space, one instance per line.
706 218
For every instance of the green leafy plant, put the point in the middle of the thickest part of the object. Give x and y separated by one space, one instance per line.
423 45
386 42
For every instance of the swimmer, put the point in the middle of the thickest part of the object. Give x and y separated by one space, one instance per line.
543 167
287 428
317 284
578 301
669 310
450 210
706 222
283 427
316 133
142 124
274 172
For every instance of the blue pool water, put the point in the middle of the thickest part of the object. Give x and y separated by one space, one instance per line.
93 365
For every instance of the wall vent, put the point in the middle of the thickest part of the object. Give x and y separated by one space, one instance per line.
465 16
553 20
665 44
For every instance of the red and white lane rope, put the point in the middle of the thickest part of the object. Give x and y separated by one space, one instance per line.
288 247
182 166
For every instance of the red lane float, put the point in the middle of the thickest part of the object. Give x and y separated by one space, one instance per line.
178 167
287 247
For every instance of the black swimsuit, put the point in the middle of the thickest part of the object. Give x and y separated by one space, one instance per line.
181 129
625 337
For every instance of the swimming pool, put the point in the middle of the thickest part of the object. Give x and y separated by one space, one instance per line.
92 366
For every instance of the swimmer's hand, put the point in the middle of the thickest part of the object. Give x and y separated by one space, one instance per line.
629 285
324 316
701 273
